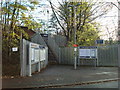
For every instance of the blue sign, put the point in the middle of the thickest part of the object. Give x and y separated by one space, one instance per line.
87 47
42 47
99 42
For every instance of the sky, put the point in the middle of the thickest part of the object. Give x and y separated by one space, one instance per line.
108 22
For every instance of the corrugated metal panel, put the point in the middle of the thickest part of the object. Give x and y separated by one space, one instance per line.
108 55
66 55
53 46
60 40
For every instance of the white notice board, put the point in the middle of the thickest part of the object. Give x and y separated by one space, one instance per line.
88 53
84 52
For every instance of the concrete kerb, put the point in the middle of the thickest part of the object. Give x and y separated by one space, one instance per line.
70 84
80 83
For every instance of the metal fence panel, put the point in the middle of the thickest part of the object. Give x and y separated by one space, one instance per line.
60 40
108 55
66 55
53 46
37 38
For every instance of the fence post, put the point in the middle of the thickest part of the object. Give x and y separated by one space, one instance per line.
29 61
23 57
78 57
59 55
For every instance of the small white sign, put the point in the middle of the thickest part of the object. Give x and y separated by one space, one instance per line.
75 49
14 49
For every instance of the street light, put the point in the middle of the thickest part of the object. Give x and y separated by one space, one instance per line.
75 49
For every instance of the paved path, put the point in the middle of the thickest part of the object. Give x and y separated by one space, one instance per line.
57 75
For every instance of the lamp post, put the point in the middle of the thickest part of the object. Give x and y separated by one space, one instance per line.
75 44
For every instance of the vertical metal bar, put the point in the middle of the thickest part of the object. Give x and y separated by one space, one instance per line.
97 63
59 55
21 57
29 59
39 62
75 37
1 55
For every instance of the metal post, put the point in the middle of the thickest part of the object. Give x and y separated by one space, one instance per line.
29 60
39 62
75 49
59 55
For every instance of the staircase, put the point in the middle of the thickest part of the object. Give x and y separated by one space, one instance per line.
51 57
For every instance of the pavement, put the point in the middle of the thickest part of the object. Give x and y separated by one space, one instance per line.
63 75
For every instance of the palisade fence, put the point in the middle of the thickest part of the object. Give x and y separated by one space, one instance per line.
64 55
67 55
54 47
37 38
60 40
107 55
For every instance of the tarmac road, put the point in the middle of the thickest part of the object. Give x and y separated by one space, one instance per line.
64 75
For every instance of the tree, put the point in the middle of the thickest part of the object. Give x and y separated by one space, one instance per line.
118 7
12 16
86 13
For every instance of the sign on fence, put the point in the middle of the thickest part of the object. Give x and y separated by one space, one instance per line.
99 42
37 53
88 52
88 55
14 49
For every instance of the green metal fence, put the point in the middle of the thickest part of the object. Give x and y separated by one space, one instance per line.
37 38
60 40
53 46
66 55
108 55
